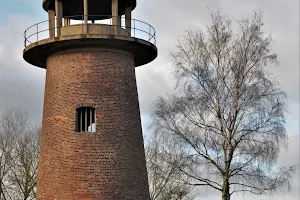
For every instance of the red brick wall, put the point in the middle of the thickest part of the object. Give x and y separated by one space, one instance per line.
109 164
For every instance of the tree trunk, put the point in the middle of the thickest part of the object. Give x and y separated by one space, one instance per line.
225 189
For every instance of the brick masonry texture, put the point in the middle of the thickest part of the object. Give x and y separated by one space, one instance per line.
109 164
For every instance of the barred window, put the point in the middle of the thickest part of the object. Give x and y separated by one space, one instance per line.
85 119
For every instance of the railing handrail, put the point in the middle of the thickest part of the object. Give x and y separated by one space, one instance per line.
133 27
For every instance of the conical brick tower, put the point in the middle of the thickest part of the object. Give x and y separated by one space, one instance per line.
91 143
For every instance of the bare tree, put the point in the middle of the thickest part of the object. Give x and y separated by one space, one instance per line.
227 118
25 164
5 148
19 155
164 181
12 124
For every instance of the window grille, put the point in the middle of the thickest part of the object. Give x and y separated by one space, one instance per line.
85 119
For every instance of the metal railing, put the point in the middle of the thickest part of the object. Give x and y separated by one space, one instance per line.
138 29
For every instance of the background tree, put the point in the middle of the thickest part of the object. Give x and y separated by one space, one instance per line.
12 124
227 118
25 164
5 149
19 150
164 179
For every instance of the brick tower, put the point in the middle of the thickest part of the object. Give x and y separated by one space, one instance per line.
91 143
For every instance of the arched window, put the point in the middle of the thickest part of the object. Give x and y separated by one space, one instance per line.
85 119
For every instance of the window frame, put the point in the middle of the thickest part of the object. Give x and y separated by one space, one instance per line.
85 118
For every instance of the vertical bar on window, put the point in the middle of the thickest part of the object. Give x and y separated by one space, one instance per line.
77 120
94 118
91 119
88 118
83 119
85 114
94 115
80 113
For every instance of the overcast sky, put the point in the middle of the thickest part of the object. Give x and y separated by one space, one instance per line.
22 85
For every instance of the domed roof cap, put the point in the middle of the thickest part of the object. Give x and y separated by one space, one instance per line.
97 9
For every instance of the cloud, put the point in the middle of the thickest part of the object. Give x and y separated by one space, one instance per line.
171 18
22 85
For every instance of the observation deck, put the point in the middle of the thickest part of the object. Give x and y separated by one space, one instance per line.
62 32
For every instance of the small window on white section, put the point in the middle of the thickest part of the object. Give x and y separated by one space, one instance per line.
85 119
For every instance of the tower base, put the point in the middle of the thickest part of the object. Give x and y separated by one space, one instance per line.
110 163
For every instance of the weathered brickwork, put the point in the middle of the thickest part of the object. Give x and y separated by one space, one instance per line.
109 164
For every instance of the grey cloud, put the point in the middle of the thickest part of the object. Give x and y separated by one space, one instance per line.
172 17
22 85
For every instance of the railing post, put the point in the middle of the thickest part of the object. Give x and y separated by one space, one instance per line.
134 27
128 11
115 13
25 43
85 5
37 32
51 18
120 20
149 33
111 25
59 14
66 21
